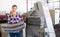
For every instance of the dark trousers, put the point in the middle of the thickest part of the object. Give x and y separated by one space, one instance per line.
18 34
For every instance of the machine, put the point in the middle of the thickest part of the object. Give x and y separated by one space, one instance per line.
39 17
3 17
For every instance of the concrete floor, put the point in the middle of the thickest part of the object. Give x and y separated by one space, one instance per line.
57 31
34 31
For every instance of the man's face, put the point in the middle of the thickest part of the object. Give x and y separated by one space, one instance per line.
14 9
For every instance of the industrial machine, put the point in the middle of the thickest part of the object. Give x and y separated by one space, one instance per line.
3 17
39 21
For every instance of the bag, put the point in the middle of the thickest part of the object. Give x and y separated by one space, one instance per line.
13 27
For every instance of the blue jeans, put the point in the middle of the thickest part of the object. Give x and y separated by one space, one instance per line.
18 34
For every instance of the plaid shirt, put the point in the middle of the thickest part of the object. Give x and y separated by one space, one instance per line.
14 20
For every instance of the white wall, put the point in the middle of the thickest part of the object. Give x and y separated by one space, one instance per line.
5 5
31 3
53 4
56 16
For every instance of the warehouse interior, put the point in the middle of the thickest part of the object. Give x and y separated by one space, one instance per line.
42 17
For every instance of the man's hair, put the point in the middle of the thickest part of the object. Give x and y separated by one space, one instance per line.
14 6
